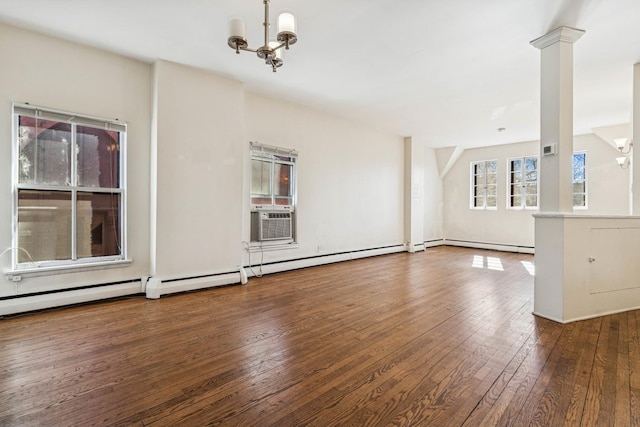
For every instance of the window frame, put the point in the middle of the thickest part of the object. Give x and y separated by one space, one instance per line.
73 188
586 181
269 153
473 186
523 195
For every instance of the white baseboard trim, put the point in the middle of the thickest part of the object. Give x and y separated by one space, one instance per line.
588 316
434 243
156 287
544 316
321 260
490 246
62 298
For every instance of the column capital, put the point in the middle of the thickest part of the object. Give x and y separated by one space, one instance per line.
560 34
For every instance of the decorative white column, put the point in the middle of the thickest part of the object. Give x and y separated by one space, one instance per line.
635 138
555 172
556 119
414 158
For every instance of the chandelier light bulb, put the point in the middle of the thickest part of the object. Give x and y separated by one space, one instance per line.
237 28
270 51
286 23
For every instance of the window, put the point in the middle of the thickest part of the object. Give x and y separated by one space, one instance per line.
484 188
69 188
523 183
580 180
273 196
272 177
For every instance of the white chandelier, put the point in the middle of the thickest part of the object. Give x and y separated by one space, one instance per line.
271 51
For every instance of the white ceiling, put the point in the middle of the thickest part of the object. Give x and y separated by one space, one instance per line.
447 72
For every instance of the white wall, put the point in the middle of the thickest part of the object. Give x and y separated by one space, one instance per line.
198 183
350 179
188 164
433 198
607 193
48 72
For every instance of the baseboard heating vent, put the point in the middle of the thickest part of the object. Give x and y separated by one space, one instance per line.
274 226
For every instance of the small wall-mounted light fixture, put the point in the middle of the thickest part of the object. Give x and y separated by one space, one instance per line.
624 148
623 162
621 144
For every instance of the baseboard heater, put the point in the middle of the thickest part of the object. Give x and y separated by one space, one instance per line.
294 264
156 287
58 298
490 246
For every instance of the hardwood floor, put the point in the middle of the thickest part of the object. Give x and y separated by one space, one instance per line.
441 338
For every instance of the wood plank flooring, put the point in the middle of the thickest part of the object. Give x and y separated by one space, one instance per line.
440 338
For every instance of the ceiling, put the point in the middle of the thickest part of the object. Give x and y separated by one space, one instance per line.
447 73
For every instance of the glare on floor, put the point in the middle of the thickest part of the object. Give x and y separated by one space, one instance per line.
491 263
494 264
478 261
528 265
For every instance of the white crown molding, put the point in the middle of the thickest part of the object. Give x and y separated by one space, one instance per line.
561 34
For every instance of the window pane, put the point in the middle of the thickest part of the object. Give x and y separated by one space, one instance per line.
98 157
491 179
578 187
284 201
478 202
282 180
479 180
532 200
516 201
44 225
579 200
578 166
491 168
530 164
531 189
98 225
491 201
514 191
261 178
44 151
492 190
531 176
261 182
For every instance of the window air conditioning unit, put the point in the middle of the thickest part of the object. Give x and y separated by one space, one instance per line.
274 226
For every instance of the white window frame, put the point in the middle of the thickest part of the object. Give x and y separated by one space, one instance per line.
476 190
270 154
274 155
586 180
72 188
522 190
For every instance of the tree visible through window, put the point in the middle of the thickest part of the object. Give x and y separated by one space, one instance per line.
484 188
580 180
69 202
523 182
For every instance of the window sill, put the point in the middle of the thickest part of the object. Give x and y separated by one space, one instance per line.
17 274
267 247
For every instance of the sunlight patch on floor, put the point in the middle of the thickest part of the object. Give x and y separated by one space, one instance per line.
491 263
494 264
528 265
478 261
